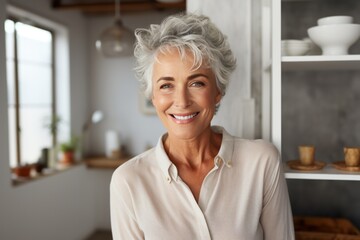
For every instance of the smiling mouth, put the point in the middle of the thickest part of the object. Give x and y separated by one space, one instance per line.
184 117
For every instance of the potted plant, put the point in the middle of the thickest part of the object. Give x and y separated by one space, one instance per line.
68 150
23 170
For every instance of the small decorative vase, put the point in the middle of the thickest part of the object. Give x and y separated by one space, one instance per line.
23 171
68 157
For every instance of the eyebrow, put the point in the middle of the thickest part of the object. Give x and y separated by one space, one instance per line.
188 78
165 79
198 75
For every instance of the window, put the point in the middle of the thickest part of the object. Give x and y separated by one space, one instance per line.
31 90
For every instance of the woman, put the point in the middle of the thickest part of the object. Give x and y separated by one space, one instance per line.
199 182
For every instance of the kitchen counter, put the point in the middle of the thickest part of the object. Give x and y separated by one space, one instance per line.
103 162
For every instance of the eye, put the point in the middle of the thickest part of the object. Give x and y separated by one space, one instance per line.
198 84
165 86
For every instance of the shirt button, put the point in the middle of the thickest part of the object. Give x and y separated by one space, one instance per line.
218 161
168 179
229 164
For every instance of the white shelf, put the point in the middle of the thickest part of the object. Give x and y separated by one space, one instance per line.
327 173
320 62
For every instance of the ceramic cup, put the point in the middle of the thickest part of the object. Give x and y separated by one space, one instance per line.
307 155
351 156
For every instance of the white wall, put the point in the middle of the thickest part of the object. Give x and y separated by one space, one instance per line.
62 206
233 17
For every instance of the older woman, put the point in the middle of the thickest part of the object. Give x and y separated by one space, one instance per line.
199 182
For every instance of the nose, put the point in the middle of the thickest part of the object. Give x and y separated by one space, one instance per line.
182 98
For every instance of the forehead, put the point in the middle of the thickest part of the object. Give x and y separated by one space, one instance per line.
179 56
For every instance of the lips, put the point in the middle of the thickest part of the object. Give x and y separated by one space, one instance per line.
183 117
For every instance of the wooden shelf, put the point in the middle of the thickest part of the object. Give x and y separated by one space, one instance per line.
103 162
320 62
327 173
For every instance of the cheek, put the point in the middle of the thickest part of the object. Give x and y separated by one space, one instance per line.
159 101
210 98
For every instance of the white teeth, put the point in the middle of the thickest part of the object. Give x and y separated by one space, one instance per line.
185 117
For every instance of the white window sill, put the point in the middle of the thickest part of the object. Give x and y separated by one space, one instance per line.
16 180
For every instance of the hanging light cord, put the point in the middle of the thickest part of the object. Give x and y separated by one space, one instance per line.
117 9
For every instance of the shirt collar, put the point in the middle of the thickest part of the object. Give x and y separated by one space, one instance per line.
163 159
226 149
224 155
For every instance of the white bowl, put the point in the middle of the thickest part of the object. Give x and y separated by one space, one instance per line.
335 20
294 47
314 49
335 39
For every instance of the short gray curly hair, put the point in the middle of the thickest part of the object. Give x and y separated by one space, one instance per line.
184 32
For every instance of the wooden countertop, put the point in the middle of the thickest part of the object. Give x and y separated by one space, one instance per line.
103 162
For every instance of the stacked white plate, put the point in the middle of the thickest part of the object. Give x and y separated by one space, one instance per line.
294 47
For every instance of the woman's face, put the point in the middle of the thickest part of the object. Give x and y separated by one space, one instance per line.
184 98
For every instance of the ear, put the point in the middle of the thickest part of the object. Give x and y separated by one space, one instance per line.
218 97
151 99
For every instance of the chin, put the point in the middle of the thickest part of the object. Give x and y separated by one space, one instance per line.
186 133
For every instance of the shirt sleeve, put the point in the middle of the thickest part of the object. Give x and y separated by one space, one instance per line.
276 218
124 225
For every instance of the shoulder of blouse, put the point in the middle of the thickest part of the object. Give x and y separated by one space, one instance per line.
134 166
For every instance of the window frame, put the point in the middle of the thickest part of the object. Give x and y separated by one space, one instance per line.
17 103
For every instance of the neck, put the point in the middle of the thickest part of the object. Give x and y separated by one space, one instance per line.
193 152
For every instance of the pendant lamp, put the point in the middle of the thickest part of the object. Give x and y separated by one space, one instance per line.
116 40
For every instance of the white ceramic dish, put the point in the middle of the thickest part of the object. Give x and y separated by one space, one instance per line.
335 39
294 50
294 47
335 20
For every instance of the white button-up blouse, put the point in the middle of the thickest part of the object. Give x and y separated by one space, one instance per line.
243 197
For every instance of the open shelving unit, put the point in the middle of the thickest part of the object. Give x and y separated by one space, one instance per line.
279 65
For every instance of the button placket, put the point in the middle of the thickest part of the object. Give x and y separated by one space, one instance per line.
204 232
